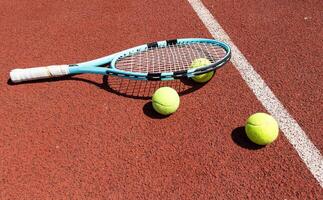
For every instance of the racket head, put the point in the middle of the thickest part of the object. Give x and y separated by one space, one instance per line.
169 59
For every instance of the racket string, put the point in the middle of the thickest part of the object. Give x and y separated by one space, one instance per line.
155 64
170 58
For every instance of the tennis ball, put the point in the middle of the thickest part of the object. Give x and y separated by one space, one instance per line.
202 78
261 128
165 100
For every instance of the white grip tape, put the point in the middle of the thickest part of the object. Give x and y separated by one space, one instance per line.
35 73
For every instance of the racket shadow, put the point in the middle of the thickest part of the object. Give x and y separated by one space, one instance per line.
136 89
145 89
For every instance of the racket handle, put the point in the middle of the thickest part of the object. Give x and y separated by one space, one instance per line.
36 73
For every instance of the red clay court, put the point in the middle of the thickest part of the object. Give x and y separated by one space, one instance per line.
94 137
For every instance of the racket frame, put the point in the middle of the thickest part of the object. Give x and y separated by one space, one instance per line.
106 65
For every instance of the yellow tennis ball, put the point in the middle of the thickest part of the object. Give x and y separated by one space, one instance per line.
165 100
202 78
262 128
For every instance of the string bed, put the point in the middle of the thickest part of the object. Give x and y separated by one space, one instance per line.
170 58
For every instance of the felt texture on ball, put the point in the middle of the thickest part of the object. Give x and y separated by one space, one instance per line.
202 78
262 128
165 100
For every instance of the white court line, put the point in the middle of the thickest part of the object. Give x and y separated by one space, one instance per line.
310 155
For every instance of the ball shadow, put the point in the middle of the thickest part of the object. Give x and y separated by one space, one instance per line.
240 137
150 112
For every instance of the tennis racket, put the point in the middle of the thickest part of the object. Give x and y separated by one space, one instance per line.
163 60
